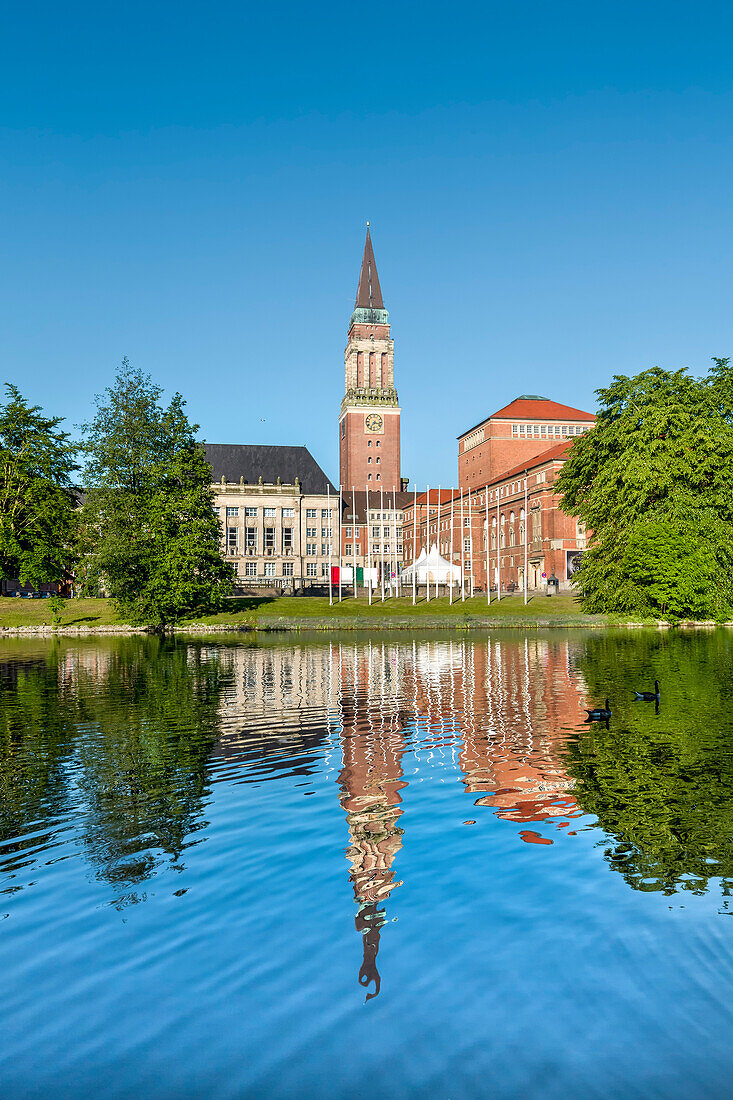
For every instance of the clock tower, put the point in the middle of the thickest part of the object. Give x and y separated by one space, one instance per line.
369 424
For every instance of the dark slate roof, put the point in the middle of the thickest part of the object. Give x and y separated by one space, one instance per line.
253 461
368 292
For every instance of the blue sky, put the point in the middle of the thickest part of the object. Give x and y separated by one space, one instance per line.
187 184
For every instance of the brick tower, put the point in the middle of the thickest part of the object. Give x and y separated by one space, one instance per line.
369 424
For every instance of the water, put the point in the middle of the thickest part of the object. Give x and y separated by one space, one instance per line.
360 868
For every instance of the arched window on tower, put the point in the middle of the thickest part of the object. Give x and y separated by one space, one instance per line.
383 378
372 370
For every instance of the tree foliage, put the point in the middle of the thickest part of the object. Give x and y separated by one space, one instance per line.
152 537
37 502
653 482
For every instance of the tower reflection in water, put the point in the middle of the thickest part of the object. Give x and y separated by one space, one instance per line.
492 711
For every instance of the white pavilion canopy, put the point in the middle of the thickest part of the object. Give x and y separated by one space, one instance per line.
431 568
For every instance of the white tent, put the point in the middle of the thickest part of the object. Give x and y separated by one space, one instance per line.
431 568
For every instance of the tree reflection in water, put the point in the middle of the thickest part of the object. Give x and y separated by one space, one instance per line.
661 783
119 734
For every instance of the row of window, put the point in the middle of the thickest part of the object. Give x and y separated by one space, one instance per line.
271 513
269 569
519 430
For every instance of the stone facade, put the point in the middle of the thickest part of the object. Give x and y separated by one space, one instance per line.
275 536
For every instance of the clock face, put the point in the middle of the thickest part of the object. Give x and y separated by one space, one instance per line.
373 422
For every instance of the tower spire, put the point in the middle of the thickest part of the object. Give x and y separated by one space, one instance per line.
368 292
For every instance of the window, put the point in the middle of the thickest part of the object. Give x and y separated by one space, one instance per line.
357 548
269 538
269 513
375 548
311 532
250 569
288 568
369 443
326 532
310 549
324 569
369 477
269 568
399 549
369 460
311 513
250 513
347 549
379 477
325 514
343 428
311 569
467 546
376 532
232 511
378 459
347 532
324 549
466 521
250 536
377 442
232 540
386 532
288 513
287 538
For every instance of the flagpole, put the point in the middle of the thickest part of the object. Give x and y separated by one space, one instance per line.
354 528
488 578
450 556
526 529
369 547
498 544
460 545
414 549
427 543
437 528
330 584
341 548
381 534
394 537
470 538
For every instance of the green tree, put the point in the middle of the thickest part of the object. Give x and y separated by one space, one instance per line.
653 482
37 502
152 536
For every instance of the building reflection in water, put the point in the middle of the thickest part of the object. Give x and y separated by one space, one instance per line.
495 712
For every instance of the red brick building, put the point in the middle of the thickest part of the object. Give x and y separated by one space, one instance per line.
369 422
520 431
502 514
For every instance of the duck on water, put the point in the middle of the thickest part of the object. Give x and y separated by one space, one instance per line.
648 696
600 714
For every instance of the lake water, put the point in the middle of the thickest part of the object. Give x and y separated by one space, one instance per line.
359 868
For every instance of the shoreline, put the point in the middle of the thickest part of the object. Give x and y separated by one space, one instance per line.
351 625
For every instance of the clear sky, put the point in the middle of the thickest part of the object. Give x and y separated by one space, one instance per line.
187 184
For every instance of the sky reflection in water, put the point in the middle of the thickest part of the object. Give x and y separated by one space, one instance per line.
525 902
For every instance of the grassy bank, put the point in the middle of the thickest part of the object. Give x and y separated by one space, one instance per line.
289 612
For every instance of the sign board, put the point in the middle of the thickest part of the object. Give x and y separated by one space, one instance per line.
544 575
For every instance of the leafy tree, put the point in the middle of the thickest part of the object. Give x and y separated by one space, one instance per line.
653 482
37 502
152 535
